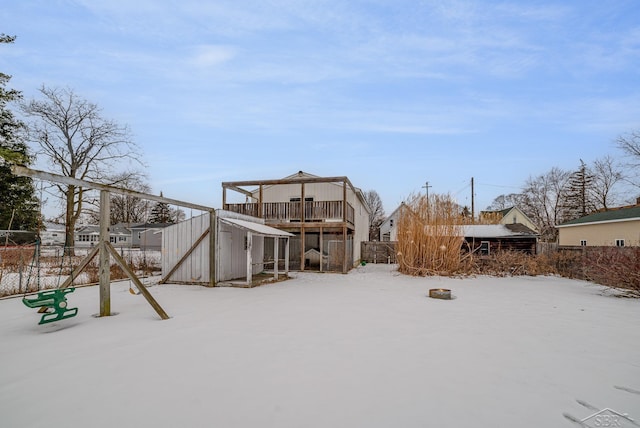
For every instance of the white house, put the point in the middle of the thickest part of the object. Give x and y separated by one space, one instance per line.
389 227
326 214
53 234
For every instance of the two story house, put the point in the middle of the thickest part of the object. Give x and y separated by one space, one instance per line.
328 217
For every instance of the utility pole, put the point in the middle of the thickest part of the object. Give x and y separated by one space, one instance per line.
473 210
426 186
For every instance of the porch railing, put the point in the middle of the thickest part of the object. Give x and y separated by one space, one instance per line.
279 212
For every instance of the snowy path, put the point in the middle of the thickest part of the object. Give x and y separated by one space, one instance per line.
367 349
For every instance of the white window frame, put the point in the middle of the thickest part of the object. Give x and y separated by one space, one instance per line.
620 242
583 242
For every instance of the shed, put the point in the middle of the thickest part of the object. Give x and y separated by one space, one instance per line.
486 238
238 250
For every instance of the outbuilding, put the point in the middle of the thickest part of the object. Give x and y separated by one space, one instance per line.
234 257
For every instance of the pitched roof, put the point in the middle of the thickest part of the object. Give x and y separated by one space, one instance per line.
619 214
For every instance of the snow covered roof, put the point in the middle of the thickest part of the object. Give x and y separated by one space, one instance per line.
496 230
260 229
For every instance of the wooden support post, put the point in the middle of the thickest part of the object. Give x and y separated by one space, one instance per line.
286 257
249 259
302 244
276 249
132 276
302 228
104 273
344 249
224 197
213 245
344 227
260 202
321 249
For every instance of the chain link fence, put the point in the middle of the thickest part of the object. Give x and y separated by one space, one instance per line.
30 268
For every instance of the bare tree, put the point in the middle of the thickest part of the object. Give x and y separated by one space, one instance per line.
506 201
78 142
543 199
630 144
126 208
377 213
606 174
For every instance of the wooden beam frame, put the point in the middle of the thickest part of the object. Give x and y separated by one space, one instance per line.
104 247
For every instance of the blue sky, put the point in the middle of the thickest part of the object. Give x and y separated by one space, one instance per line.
389 93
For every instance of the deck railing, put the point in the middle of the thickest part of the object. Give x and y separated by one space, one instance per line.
280 212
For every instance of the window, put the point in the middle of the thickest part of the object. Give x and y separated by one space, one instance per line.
484 248
583 242
391 223
619 242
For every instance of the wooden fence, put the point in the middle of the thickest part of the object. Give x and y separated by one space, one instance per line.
379 252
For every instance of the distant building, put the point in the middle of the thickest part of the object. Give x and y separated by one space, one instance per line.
618 227
512 215
53 233
88 236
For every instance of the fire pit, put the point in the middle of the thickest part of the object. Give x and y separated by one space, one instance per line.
440 293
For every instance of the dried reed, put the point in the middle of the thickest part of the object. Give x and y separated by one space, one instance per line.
429 236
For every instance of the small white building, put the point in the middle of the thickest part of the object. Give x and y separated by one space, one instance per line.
238 250
53 234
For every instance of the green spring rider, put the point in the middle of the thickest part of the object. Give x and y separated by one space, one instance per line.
52 304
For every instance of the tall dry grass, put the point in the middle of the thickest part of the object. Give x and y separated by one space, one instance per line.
429 236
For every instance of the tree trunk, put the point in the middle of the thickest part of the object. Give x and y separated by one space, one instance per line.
69 221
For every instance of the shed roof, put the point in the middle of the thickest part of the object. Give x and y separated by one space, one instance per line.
497 231
257 228
614 215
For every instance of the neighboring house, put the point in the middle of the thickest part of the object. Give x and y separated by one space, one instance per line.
513 215
487 238
615 227
389 227
53 234
147 236
88 236
326 214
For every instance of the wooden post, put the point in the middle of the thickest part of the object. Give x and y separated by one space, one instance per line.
344 227
213 245
260 202
276 249
302 228
286 257
249 259
321 249
344 249
132 276
224 197
105 268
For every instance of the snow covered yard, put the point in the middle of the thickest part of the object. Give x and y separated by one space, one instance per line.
367 349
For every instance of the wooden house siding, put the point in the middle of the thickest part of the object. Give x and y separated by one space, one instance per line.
600 234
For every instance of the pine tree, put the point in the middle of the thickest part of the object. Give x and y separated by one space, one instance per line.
18 203
579 193
161 213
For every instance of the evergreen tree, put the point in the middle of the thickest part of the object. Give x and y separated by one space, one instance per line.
161 213
18 203
578 201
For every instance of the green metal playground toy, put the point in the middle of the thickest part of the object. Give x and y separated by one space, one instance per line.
52 299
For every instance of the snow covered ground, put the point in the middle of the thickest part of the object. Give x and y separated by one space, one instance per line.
367 349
